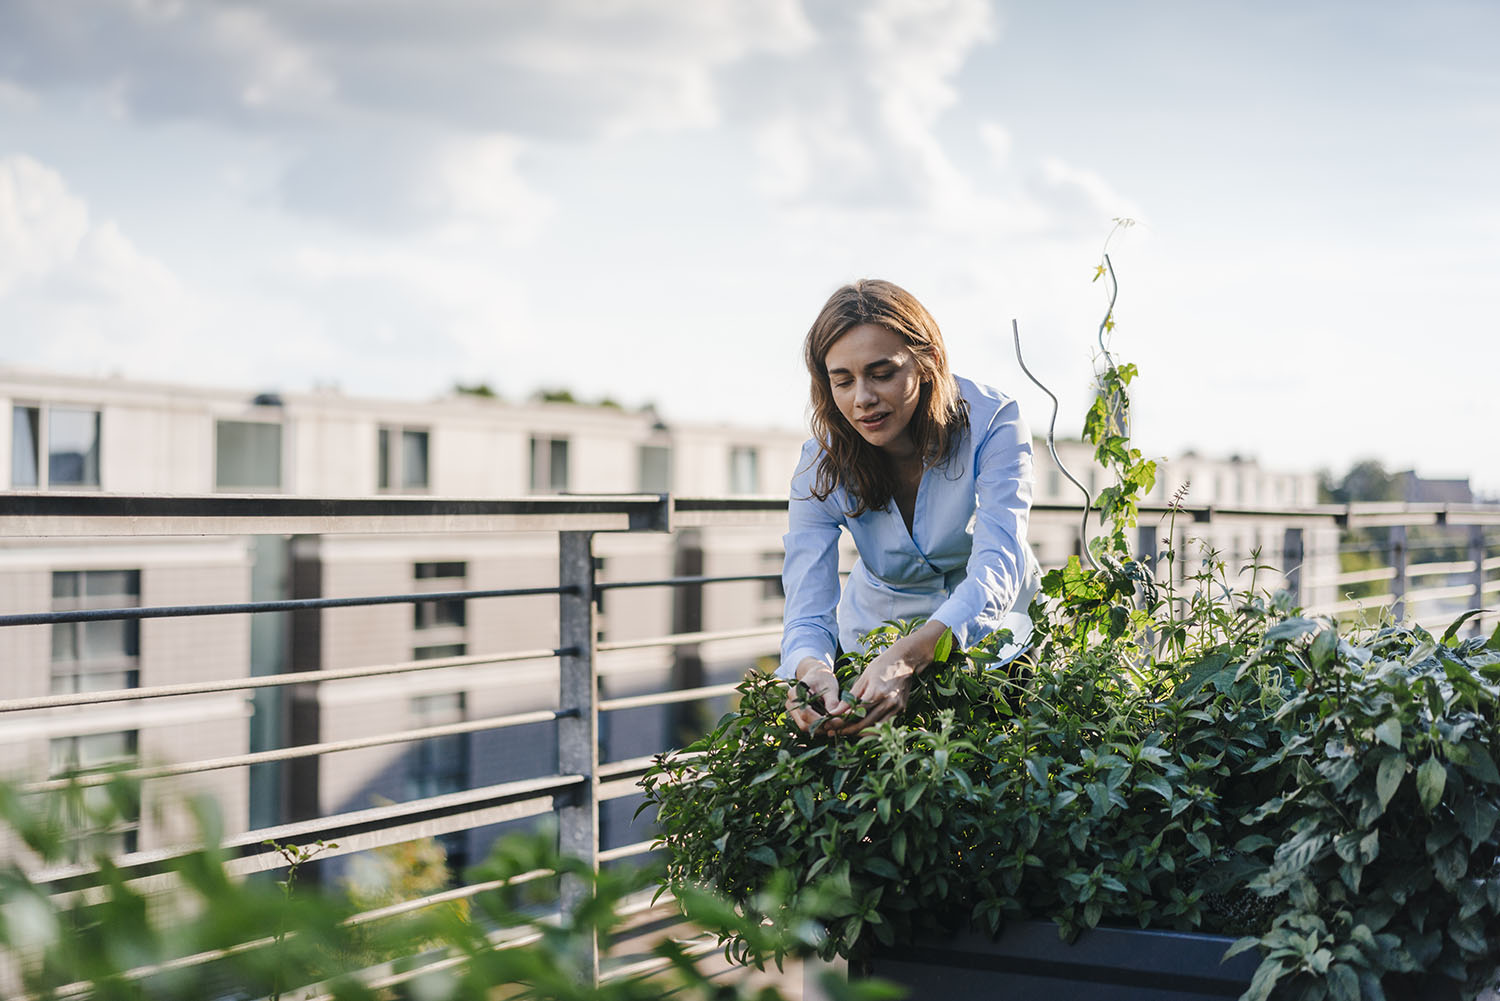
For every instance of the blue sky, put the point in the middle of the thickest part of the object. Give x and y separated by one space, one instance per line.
650 199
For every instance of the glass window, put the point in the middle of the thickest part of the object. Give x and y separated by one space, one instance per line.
247 456
413 459
438 765
102 655
72 448
383 459
549 465
97 822
402 458
744 472
25 447
68 438
448 613
655 463
439 614
437 651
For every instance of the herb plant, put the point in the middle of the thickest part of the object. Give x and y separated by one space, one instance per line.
1196 756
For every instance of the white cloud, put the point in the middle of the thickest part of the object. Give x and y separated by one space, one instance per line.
220 62
1085 191
41 223
77 293
50 245
997 141
852 120
14 97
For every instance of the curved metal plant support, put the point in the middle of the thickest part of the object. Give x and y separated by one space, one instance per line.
1088 500
1107 323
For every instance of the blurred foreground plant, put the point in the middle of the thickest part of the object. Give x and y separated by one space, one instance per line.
208 934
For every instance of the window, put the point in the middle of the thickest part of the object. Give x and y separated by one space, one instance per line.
438 765
744 472
549 465
655 462
97 752
247 455
402 458
54 448
95 656
437 651
439 625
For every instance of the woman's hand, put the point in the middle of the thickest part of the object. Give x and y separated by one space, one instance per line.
884 686
819 701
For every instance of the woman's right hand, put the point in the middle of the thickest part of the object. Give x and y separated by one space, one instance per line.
820 699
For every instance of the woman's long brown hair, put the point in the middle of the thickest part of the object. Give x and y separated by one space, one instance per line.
847 460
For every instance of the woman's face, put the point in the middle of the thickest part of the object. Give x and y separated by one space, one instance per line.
876 385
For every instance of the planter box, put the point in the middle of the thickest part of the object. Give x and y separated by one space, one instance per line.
1028 960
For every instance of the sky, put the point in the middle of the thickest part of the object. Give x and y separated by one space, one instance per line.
650 200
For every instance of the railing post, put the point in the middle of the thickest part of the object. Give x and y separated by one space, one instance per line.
1293 554
1476 557
1398 562
577 733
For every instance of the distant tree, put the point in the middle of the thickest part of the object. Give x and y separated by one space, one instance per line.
480 389
558 394
1366 480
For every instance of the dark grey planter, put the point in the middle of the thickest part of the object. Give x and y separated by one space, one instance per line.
1028 960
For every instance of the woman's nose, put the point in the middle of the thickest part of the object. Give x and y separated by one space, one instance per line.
864 393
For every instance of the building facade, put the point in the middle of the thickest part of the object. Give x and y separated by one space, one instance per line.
120 436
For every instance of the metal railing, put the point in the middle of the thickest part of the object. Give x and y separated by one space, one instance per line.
581 782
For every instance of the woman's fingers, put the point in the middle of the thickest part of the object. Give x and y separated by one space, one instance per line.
815 700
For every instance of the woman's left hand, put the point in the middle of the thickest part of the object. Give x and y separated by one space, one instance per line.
884 686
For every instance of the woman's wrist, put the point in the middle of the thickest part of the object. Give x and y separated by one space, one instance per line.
808 666
921 645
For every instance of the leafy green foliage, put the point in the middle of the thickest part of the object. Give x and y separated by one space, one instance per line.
1188 755
214 935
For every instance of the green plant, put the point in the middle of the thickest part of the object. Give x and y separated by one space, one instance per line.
215 935
1190 754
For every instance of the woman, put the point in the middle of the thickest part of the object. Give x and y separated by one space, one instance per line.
931 475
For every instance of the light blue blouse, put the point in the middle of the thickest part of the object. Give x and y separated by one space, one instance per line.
965 562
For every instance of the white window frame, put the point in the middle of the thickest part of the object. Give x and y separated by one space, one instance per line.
390 476
542 471
67 676
428 633
43 444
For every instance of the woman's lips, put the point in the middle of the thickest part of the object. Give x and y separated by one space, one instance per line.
872 423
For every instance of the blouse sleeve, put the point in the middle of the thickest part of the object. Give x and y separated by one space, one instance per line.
810 573
1000 560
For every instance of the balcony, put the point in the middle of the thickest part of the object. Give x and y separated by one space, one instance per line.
369 672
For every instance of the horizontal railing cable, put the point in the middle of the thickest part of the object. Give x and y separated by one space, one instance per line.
357 830
615 585
301 751
276 680
668 698
683 639
251 607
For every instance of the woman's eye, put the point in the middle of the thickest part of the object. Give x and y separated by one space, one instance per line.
843 385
